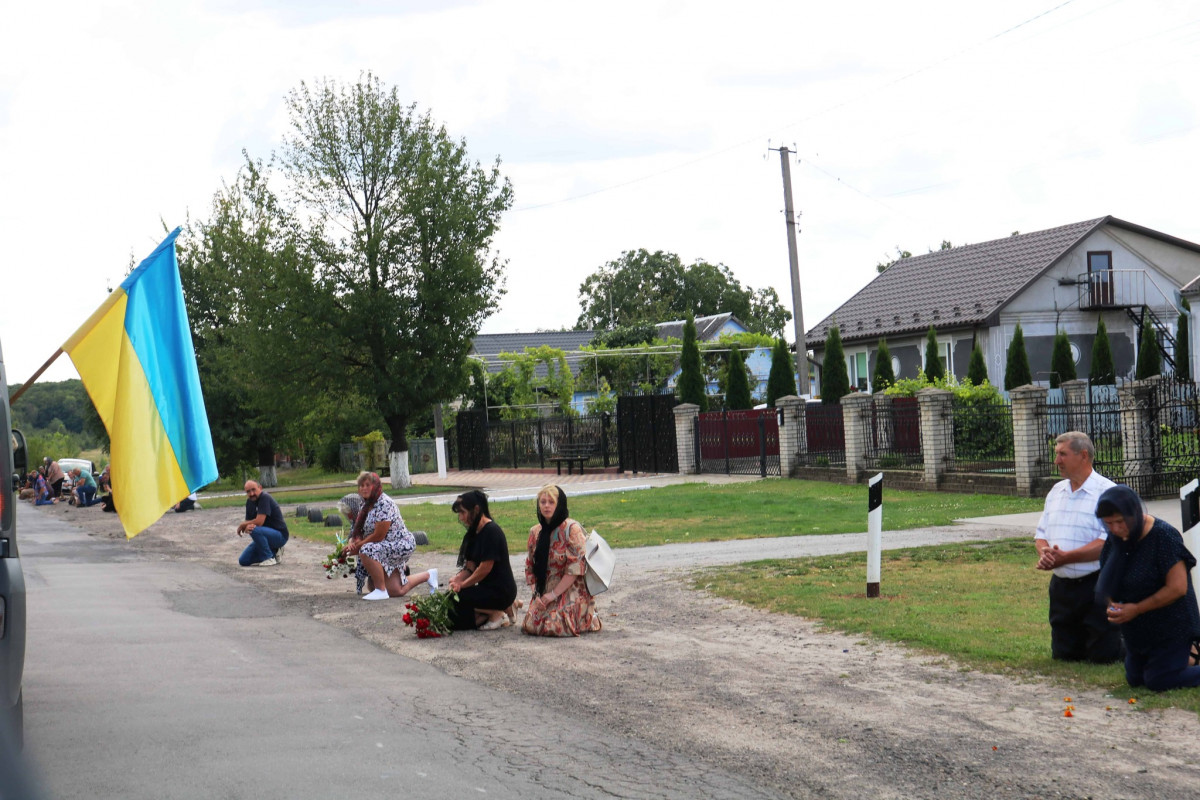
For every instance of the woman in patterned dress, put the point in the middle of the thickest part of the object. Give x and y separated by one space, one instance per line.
382 543
554 570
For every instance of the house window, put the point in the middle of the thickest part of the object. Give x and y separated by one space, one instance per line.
1100 277
856 366
943 356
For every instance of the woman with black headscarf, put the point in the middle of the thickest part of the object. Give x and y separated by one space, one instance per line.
554 569
486 588
1145 580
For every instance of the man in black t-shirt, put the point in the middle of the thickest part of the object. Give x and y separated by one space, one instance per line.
265 526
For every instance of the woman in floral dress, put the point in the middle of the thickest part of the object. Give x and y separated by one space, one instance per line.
554 570
382 542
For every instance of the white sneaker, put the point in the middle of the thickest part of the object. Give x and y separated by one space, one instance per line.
270 562
378 594
433 586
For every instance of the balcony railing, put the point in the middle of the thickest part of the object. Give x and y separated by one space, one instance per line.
1112 288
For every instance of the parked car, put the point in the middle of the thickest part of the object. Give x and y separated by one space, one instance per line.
69 464
13 464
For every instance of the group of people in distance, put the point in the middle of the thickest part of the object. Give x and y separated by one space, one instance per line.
47 481
1122 584
484 582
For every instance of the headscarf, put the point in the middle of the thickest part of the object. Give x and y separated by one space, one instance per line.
1119 499
349 505
541 552
371 500
471 501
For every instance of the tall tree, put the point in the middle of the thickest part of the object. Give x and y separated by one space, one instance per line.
934 369
781 382
691 378
1062 365
835 380
641 286
1102 372
400 223
884 376
1183 358
1149 363
1016 368
977 370
737 385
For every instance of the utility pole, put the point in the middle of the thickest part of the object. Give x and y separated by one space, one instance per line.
789 213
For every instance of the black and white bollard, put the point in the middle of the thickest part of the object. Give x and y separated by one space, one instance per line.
874 532
1189 499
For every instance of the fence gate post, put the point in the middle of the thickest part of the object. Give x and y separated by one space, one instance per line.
725 437
512 438
856 406
1030 433
686 448
541 447
762 446
937 432
604 437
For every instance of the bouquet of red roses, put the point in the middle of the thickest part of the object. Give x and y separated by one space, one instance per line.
430 615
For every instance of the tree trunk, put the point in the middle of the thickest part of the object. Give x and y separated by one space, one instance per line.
266 476
398 455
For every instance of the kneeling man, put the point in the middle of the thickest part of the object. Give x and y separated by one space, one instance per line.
265 526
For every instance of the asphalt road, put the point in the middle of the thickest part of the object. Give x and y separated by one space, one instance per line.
158 679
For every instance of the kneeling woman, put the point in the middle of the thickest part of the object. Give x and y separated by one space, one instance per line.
1145 578
382 543
485 585
554 568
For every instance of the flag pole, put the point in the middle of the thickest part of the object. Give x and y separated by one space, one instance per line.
16 396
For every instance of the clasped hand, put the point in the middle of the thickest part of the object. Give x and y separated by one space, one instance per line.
1120 613
1051 558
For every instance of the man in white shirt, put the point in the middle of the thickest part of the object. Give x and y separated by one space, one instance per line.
1069 539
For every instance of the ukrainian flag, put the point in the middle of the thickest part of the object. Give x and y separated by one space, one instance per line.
137 363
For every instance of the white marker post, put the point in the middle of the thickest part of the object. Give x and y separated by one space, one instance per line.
439 440
874 532
1189 499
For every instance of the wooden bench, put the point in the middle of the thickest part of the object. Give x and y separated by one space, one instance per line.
572 452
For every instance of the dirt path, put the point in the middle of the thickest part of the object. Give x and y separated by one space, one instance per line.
770 697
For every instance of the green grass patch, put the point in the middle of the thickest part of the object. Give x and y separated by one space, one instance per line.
321 496
984 605
298 476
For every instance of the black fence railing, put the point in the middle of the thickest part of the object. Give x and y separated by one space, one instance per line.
982 437
738 442
825 436
586 441
893 435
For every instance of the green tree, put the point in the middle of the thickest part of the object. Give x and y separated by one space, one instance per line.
977 370
1102 371
736 382
1016 367
884 376
641 286
1149 363
691 379
835 380
1183 359
1062 365
399 223
934 369
781 382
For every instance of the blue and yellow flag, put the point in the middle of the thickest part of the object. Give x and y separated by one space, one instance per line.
137 362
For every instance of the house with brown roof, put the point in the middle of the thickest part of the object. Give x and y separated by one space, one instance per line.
1066 277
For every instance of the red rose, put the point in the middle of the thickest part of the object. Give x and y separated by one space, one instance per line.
407 619
422 623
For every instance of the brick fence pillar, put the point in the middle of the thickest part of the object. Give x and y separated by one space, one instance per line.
685 437
856 420
1030 435
792 433
1138 427
937 432
1075 395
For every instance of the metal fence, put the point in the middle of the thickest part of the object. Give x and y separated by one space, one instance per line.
825 436
982 437
738 442
893 435
534 443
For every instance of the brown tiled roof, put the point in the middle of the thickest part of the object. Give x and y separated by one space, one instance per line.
953 288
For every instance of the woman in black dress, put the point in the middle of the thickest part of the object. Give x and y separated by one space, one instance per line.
1145 579
485 585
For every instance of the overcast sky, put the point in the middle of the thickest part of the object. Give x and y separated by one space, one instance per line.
621 125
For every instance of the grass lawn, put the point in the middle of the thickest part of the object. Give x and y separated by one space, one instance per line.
700 512
299 476
984 605
325 498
